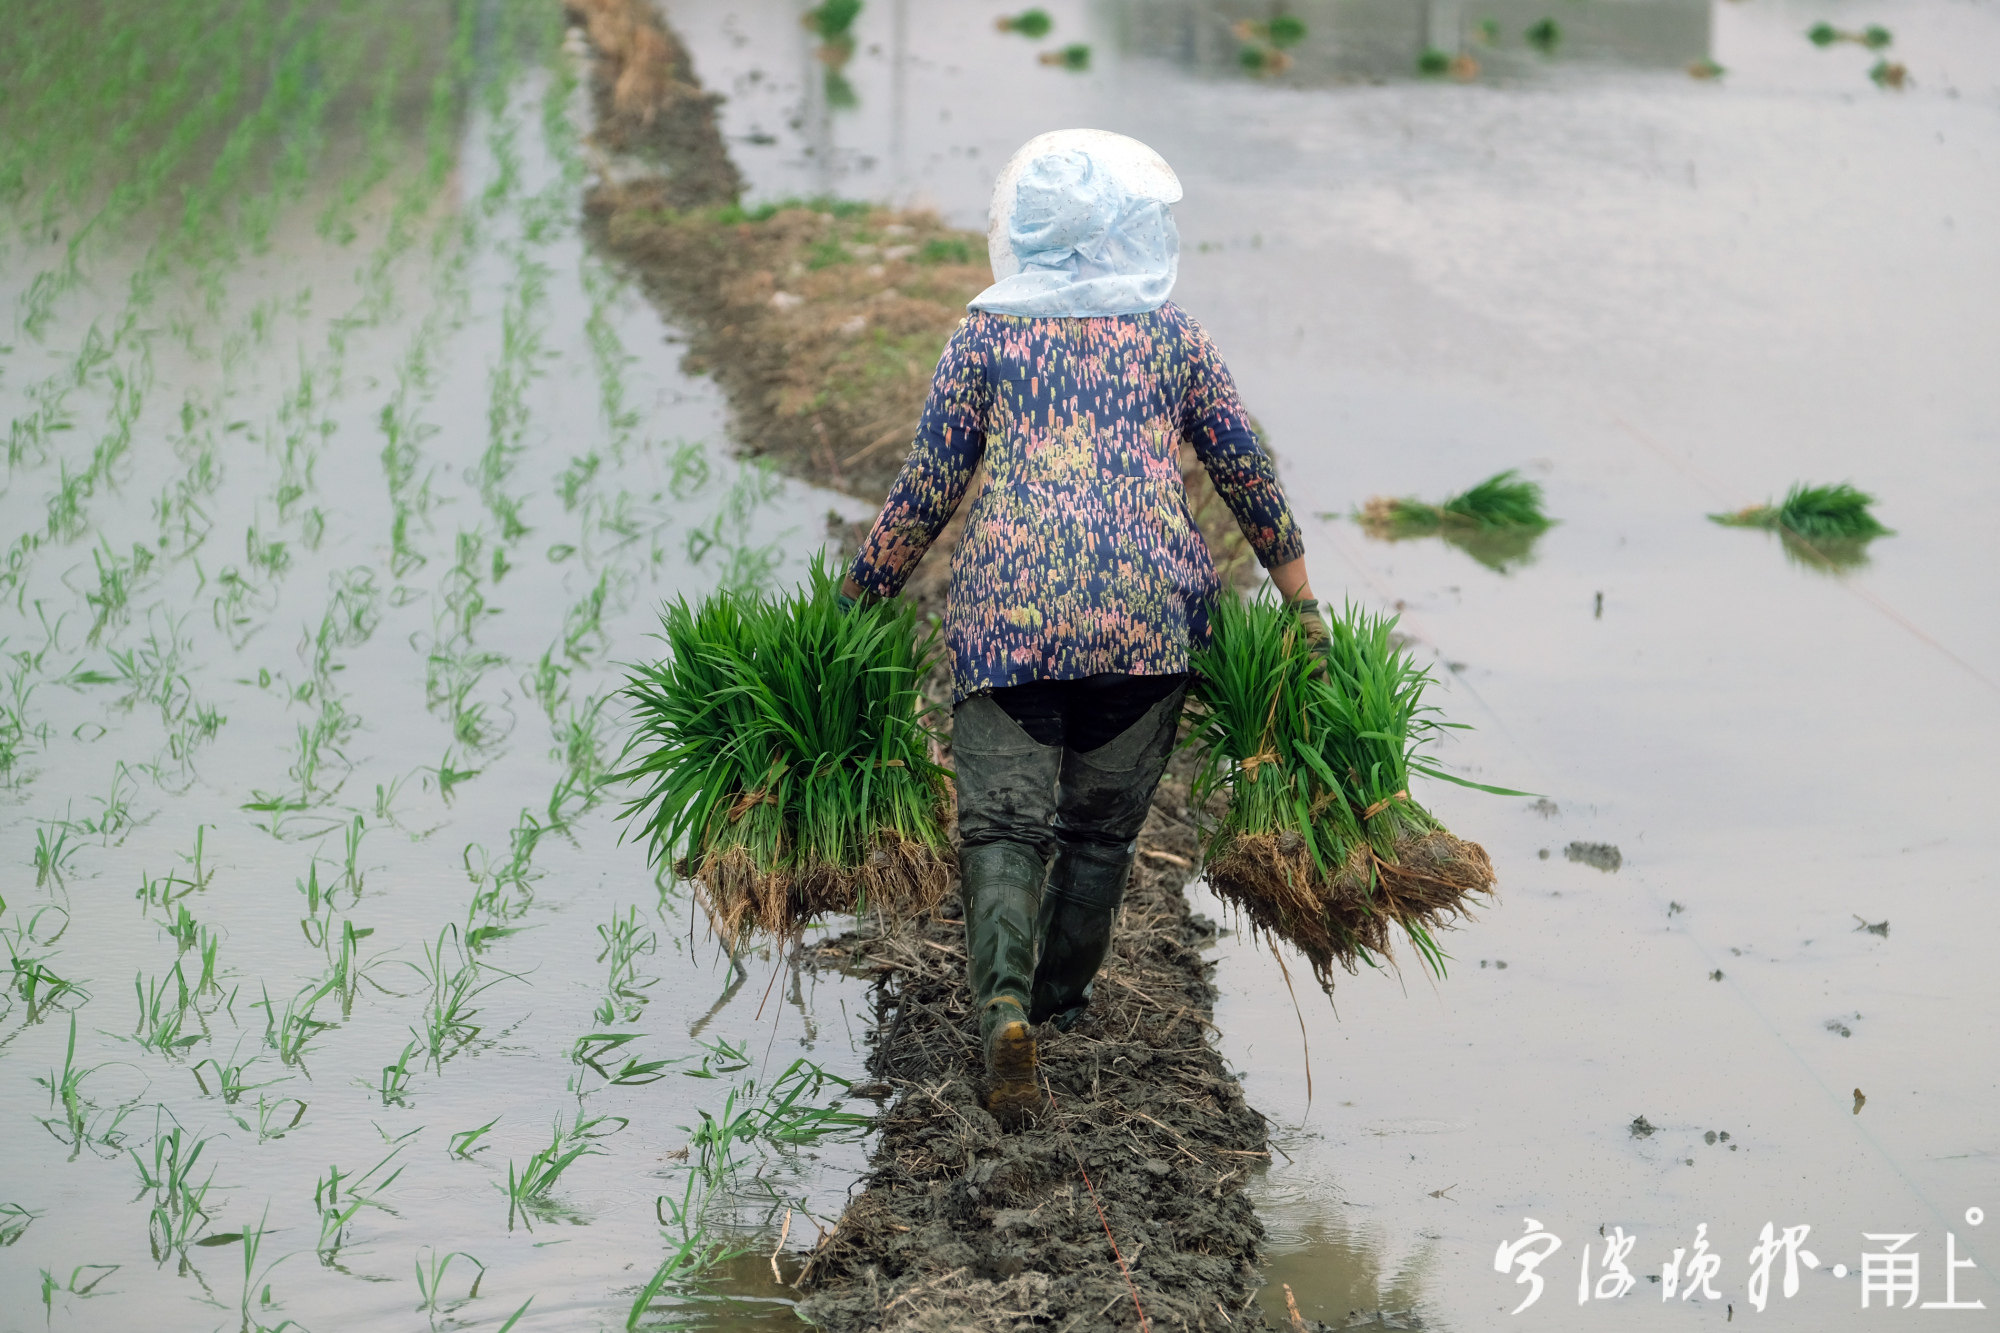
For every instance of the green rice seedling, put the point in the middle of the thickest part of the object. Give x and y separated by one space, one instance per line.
395 1083
1495 522
466 1145
14 1222
273 1119
592 1048
687 469
784 1117
114 818
76 1286
53 851
1825 527
207 945
351 874
430 1282
785 758
831 20
1313 749
163 1013
184 928
1545 35
76 1125
346 969
229 1078
38 986
691 1256
116 577
576 478
289 1033
1874 37
449 777
529 1186
1433 62
548 683
1888 74
1074 57
452 980
200 875
1033 24
585 621
180 1210
626 940
41 989
257 1281
720 1058
779 1115
339 1196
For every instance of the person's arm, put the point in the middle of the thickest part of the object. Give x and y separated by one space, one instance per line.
1214 421
950 441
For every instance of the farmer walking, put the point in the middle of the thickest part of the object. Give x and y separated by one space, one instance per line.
1082 583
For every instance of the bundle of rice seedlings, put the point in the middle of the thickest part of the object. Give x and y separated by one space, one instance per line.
1495 522
1826 527
1321 844
786 758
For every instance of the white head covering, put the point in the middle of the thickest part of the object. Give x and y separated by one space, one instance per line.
1080 227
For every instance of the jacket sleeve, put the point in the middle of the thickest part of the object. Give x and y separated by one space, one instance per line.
951 439
1214 421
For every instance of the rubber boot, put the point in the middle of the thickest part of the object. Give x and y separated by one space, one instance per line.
1074 926
1001 883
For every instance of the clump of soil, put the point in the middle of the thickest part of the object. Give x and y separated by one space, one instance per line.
961 1226
1600 855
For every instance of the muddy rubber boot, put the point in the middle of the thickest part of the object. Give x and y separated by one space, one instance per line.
1001 884
1074 924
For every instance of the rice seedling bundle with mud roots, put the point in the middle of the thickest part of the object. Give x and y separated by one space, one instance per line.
786 759
1321 844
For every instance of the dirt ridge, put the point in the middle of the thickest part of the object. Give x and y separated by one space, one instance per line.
957 1225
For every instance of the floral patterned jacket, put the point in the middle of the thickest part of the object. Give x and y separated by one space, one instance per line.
1080 556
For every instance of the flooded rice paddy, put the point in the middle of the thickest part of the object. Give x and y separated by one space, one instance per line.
342 476
341 480
1662 296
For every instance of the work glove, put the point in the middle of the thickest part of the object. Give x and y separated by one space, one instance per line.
1309 620
846 603
1314 628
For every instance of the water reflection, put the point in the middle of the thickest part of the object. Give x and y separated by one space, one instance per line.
1501 550
1365 40
1344 1276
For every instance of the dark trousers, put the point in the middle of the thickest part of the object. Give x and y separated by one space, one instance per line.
1054 780
1063 761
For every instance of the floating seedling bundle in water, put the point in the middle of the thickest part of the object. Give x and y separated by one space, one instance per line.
1496 522
1321 843
1827 527
786 758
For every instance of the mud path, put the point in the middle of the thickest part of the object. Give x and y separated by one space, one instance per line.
822 322
962 1226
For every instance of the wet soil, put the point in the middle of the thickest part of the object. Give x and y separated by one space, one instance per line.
823 322
961 1225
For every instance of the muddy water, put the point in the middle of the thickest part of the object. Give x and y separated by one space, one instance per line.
1661 297
339 691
